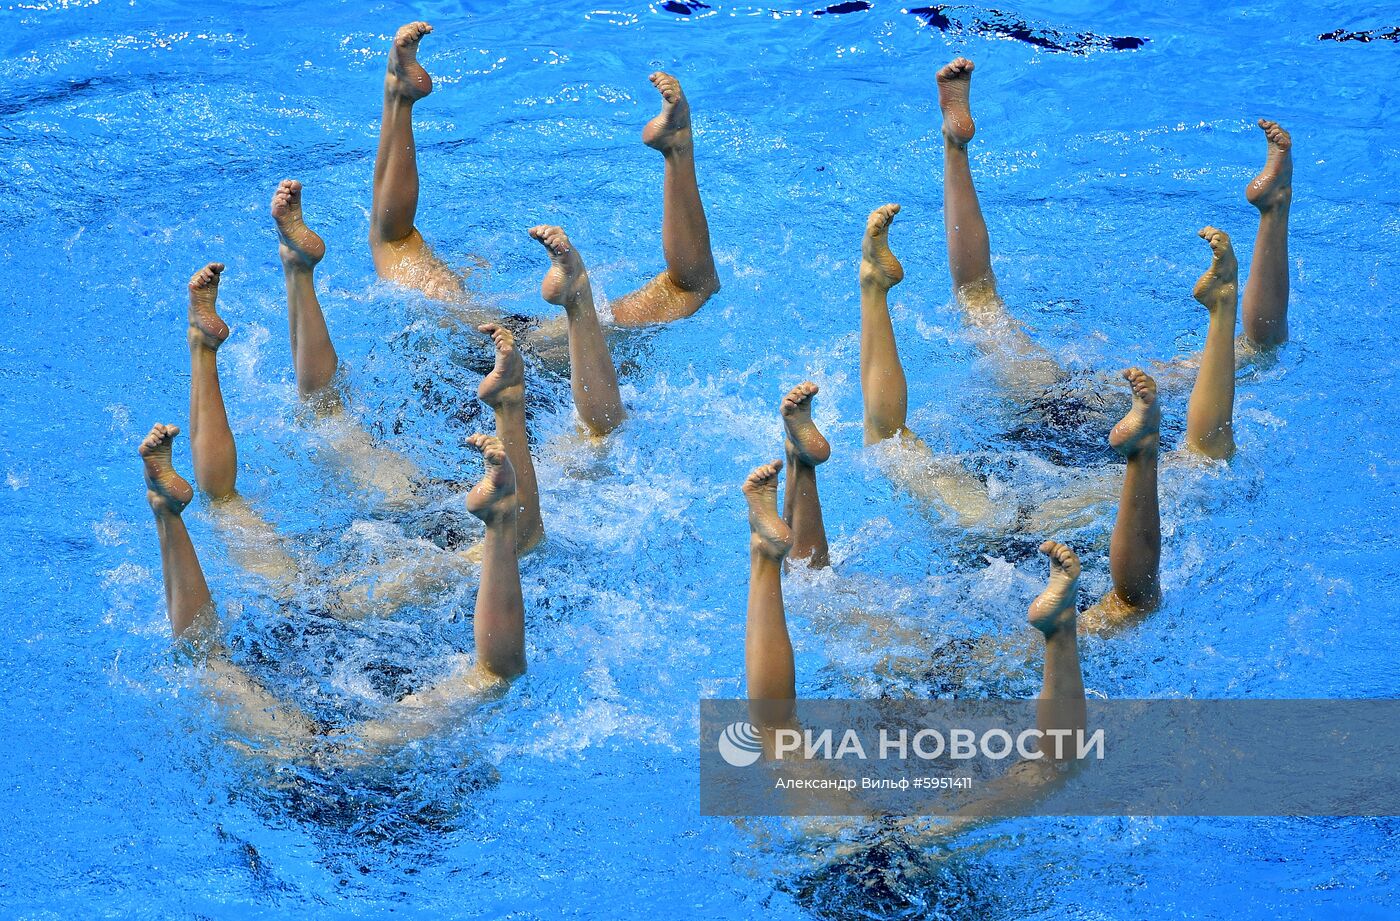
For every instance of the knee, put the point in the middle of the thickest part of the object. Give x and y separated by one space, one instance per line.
699 286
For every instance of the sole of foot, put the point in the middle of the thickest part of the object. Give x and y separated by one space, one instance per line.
505 383
954 98
1273 187
206 328
166 490
406 77
1053 610
878 265
1140 428
804 440
492 499
566 276
1217 287
669 130
770 535
298 244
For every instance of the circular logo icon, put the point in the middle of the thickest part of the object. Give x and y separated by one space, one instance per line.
739 744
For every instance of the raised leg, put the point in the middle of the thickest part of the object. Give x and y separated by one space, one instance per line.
499 624
806 448
690 278
504 391
1061 707
1021 366
1210 413
1265 303
591 373
768 662
186 593
211 439
399 250
969 247
884 391
252 541
301 248
883 388
1135 552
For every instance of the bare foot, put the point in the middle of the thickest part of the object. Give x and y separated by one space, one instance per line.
803 440
878 266
166 490
566 278
1139 430
671 129
206 329
770 535
1273 187
300 245
954 88
1053 610
1216 289
406 78
505 384
493 499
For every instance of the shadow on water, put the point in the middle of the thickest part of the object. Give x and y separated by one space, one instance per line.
989 23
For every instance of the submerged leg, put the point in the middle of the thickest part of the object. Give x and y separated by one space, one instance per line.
186 592
399 250
1265 303
768 662
499 624
313 355
503 389
253 712
591 373
1135 552
1061 707
690 278
1210 413
211 439
883 388
807 448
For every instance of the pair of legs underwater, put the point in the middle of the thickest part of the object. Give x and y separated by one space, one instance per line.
499 625
768 658
1027 371
401 254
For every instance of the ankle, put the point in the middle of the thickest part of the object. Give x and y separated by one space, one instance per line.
394 95
294 264
682 146
872 285
763 550
200 344
504 527
1147 448
1276 204
161 508
509 400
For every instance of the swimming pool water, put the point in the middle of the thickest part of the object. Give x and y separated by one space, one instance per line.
140 140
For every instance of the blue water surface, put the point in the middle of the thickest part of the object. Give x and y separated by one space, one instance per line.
139 140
